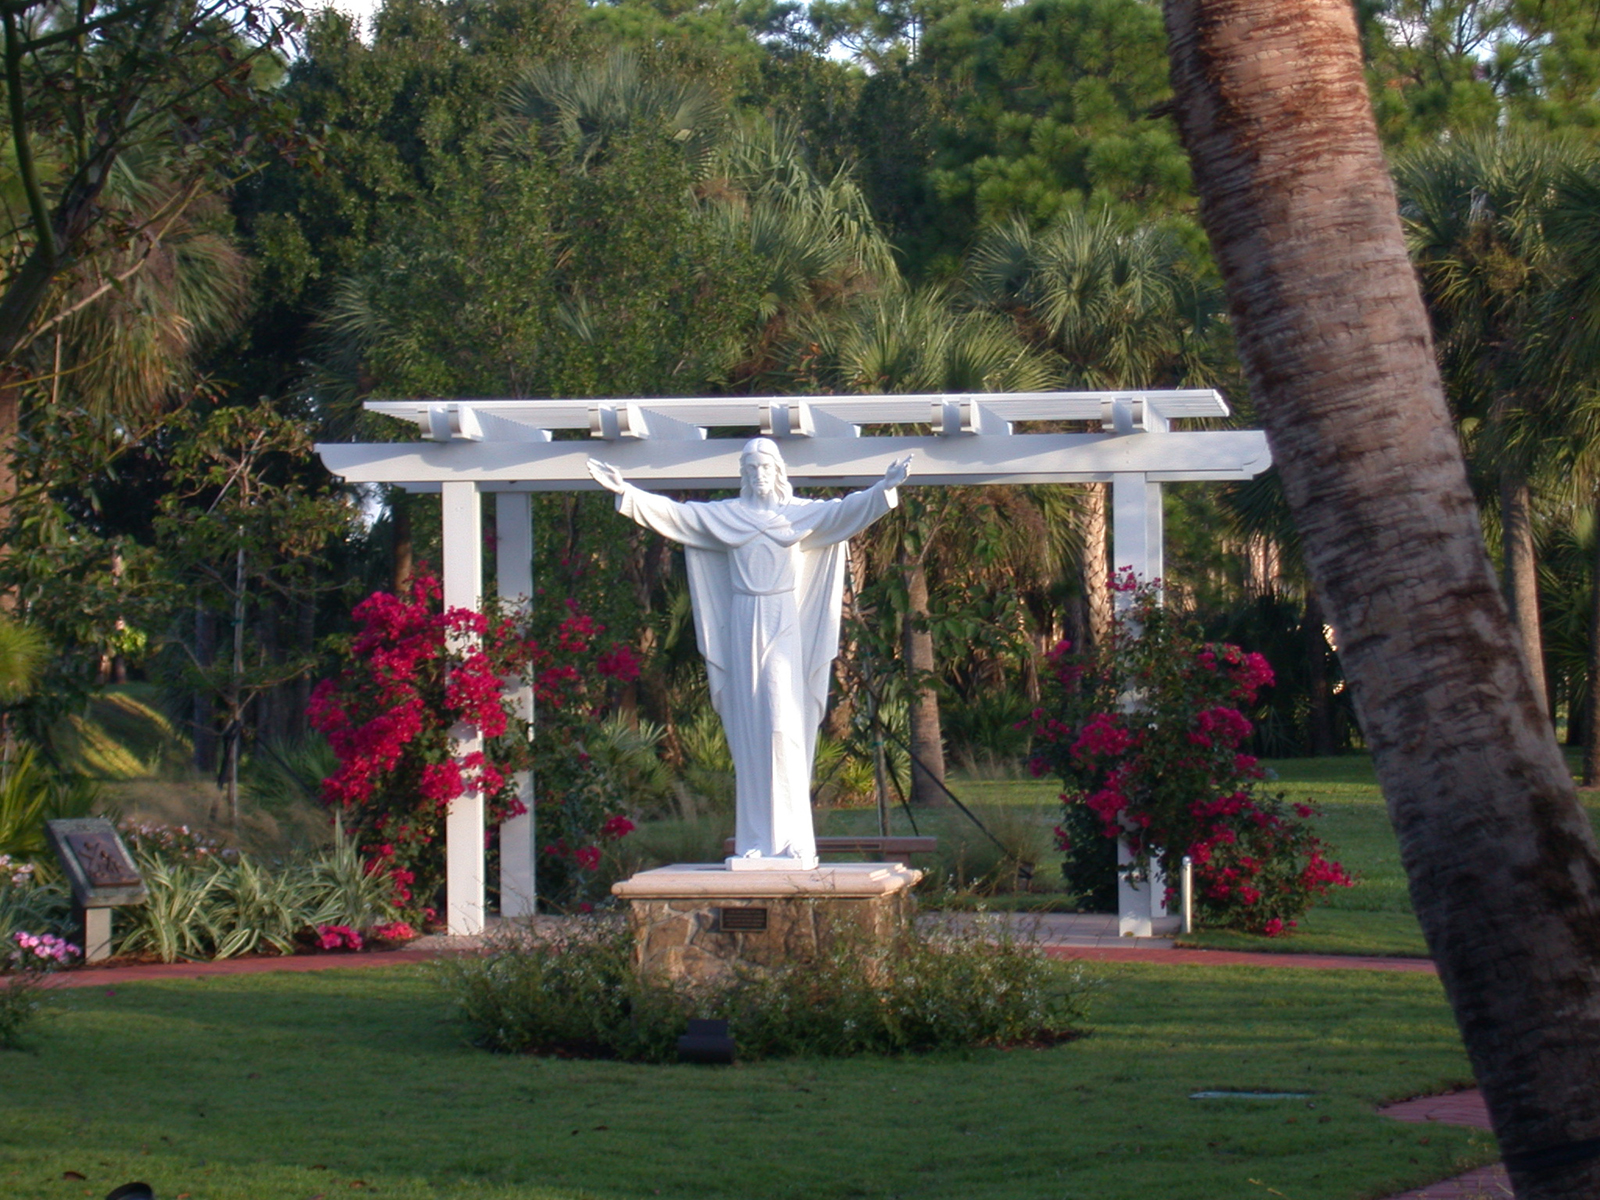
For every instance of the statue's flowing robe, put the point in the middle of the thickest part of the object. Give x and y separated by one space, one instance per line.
766 586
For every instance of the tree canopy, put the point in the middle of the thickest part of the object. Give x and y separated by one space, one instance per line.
246 218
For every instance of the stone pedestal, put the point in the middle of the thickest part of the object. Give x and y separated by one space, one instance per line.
96 934
703 923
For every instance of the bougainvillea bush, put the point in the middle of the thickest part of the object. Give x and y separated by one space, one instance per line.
1148 735
414 675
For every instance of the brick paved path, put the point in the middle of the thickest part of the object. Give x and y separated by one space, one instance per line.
109 976
1458 1108
1241 958
101 976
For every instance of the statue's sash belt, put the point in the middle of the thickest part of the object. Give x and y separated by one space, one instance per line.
777 591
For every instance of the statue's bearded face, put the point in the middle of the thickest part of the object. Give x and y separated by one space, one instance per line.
760 475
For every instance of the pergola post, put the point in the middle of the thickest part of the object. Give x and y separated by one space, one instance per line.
462 535
513 519
1137 542
1136 529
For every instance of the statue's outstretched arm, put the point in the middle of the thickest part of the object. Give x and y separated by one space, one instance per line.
682 522
607 476
897 473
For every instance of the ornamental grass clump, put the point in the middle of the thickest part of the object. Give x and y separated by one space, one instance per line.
1148 734
209 904
580 996
29 903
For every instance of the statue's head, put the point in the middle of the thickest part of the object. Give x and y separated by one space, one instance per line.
761 471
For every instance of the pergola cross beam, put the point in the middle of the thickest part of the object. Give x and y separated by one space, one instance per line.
517 447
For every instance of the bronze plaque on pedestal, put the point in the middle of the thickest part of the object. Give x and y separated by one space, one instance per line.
741 920
99 867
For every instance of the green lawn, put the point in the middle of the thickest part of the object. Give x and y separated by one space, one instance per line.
349 1082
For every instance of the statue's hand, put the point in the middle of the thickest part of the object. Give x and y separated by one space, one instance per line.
607 476
898 472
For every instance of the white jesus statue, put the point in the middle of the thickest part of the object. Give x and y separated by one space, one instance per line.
766 580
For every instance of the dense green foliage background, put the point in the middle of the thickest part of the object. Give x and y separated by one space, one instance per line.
554 198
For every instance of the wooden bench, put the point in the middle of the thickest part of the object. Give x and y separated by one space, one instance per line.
877 849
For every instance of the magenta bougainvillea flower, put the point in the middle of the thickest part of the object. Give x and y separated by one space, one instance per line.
415 676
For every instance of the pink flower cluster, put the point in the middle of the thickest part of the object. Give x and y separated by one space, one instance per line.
41 951
587 857
175 842
16 874
1103 737
1123 581
1322 874
338 937
1220 726
619 663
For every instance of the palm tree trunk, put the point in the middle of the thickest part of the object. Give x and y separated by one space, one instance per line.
1522 571
927 738
1504 871
1591 728
1096 567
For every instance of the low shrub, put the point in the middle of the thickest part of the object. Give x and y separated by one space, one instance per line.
576 995
625 756
19 1008
946 990
989 734
255 909
31 793
346 890
175 921
580 996
705 775
174 843
843 777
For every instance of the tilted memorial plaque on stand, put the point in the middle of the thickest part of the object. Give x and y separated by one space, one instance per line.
102 874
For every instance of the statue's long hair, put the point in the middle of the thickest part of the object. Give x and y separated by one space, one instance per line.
764 448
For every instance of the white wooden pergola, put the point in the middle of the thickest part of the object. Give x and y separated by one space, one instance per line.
511 448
